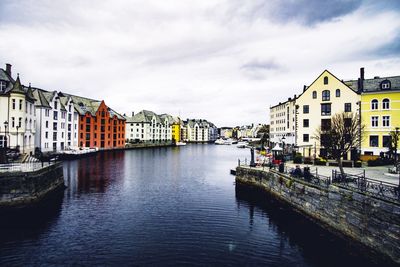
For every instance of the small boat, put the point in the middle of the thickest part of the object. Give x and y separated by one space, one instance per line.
180 144
223 142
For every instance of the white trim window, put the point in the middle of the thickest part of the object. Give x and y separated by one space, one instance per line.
385 103
374 121
386 121
374 104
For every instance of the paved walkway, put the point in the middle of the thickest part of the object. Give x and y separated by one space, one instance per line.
378 173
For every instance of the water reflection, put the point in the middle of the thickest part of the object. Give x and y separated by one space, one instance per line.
318 246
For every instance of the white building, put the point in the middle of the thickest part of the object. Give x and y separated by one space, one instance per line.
282 123
200 131
17 113
57 127
147 126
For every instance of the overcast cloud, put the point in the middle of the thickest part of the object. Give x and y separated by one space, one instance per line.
225 61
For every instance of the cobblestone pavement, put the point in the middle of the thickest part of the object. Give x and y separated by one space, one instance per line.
379 173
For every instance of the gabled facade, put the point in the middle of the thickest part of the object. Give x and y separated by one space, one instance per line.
17 113
147 126
325 97
199 131
57 121
99 126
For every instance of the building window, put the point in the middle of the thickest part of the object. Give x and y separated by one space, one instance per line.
326 95
347 107
385 85
13 103
47 112
3 86
306 123
374 104
306 109
55 105
20 104
3 141
326 80
46 134
385 103
374 121
314 94
373 141
386 121
306 137
386 140
337 92
325 109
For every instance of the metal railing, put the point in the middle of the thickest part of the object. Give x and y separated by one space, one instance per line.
24 167
359 182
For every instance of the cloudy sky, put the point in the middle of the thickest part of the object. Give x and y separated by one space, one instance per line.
222 60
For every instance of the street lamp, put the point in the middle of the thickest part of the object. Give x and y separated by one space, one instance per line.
5 132
283 148
17 137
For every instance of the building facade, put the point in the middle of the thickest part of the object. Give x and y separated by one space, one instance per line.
99 126
147 126
17 113
282 124
380 111
325 97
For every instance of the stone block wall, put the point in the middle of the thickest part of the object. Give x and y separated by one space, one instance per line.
371 221
24 188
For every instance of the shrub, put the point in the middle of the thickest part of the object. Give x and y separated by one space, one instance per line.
320 162
358 164
298 159
380 162
307 160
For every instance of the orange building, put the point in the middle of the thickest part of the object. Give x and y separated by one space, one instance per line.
99 125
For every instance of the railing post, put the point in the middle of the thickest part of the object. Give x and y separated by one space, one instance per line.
239 162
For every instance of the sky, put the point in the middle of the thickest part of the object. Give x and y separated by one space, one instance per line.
226 61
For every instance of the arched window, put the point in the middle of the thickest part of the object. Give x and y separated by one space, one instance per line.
385 103
337 92
326 95
314 94
326 80
374 104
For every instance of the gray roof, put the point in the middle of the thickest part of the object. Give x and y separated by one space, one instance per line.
15 86
374 85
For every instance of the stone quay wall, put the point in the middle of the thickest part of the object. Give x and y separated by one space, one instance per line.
369 220
18 189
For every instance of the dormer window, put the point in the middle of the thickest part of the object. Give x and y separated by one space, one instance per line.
385 85
3 86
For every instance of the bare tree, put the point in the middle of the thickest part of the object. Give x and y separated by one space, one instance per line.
393 144
339 135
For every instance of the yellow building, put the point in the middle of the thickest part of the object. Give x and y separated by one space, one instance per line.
176 130
380 112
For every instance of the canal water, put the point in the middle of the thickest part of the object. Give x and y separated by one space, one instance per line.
166 206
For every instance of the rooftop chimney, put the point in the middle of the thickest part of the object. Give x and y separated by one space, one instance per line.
133 113
361 80
8 69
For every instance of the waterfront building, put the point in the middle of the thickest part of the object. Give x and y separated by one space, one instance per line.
176 129
326 96
380 111
99 125
226 132
147 126
283 124
57 121
17 113
200 131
